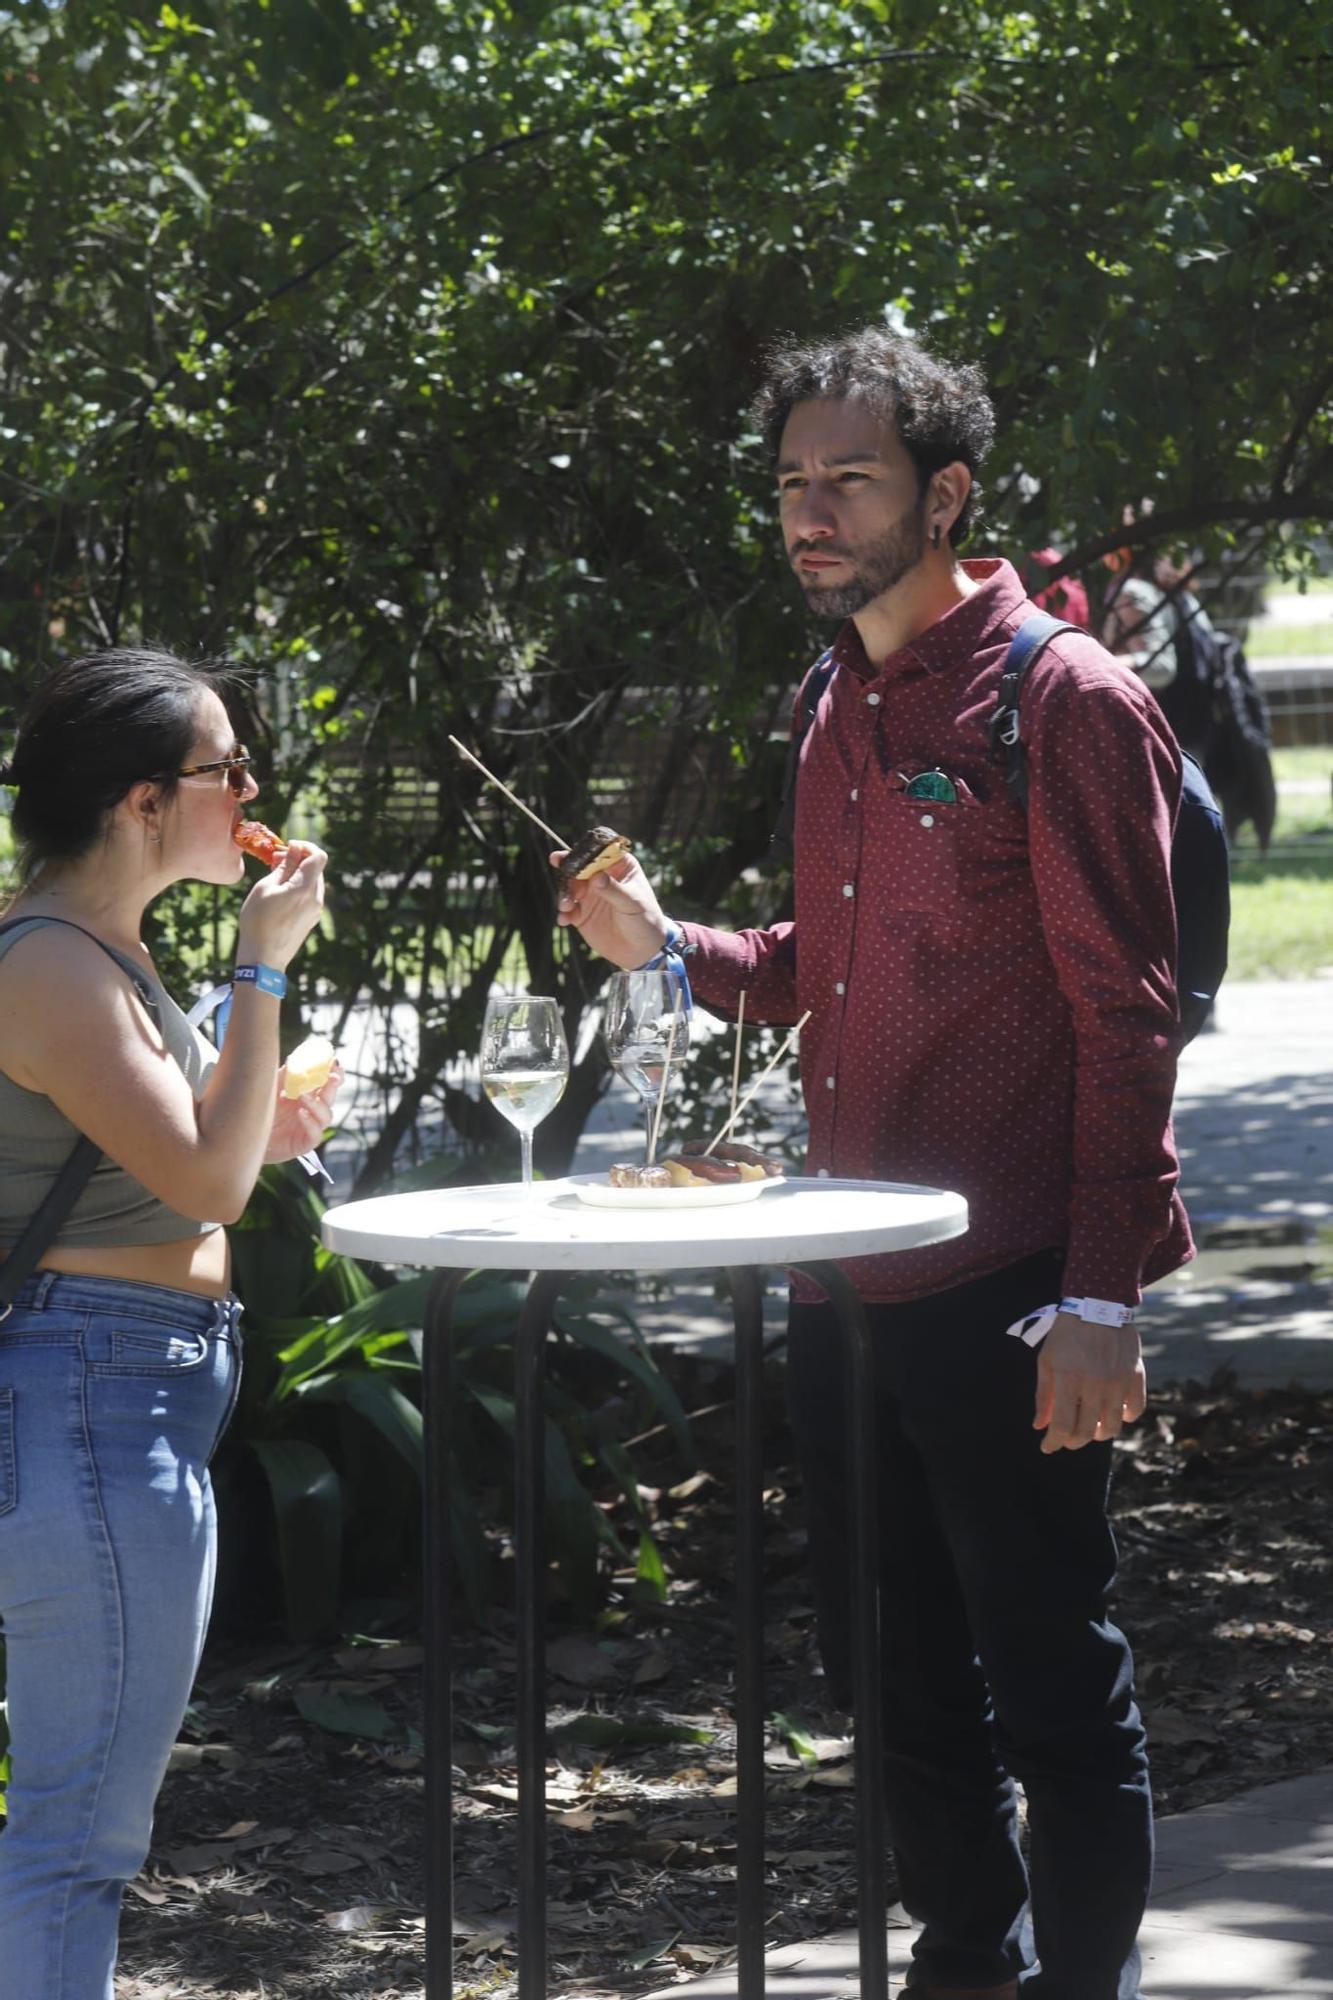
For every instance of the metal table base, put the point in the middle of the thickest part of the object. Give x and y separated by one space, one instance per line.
530 1341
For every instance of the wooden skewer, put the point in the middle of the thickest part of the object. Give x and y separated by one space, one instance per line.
792 1033
513 797
736 1059
666 1077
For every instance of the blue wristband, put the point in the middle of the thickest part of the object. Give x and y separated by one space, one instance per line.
266 977
671 959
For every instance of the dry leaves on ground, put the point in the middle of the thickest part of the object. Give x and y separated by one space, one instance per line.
287 1861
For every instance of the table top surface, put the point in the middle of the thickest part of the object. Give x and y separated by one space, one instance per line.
504 1228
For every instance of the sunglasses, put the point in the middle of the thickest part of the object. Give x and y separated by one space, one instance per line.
236 766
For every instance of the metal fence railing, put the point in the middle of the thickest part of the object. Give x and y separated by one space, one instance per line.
1299 693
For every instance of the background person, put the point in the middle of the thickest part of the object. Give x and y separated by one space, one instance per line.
120 1356
992 1010
1065 598
1140 626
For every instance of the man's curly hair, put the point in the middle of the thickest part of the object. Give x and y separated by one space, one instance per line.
940 411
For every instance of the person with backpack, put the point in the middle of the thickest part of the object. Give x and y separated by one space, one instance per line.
126 1142
1205 688
990 985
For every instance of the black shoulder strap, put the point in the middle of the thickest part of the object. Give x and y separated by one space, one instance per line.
64 1191
811 694
1031 639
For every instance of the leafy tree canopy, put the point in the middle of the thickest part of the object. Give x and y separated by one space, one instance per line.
404 351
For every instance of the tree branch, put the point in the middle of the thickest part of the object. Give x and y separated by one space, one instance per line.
1299 505
1306 412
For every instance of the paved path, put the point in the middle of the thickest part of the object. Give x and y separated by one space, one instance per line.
1254 1123
1243 1908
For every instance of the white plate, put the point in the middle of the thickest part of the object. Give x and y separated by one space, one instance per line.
597 1191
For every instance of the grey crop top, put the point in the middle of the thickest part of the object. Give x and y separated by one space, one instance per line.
36 1138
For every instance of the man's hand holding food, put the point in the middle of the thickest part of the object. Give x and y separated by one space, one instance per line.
616 912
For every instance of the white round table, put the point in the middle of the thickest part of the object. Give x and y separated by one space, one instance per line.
803 1224
550 1229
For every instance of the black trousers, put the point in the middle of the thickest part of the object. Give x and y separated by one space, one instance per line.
1000 1663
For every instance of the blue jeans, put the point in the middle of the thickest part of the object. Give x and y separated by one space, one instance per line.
112 1399
999 1658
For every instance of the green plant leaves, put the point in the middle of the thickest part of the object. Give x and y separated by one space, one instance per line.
308 1516
324 1342
797 1738
346 1714
380 1403
629 1354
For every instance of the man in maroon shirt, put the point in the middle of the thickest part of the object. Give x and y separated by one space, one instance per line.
992 1009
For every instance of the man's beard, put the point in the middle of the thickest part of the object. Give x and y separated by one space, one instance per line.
874 570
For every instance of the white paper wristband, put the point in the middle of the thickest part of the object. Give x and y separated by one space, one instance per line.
1033 1328
1102 1312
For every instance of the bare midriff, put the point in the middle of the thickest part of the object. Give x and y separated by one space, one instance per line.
190 1264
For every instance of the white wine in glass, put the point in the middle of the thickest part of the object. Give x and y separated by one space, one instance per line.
524 1063
644 1016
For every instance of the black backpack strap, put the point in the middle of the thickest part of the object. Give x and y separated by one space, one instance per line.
1201 889
58 1201
45 1225
811 694
1031 639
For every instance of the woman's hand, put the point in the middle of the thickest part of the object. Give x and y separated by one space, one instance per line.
616 913
299 1123
280 911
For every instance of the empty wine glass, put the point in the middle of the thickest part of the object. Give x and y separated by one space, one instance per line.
645 1012
524 1063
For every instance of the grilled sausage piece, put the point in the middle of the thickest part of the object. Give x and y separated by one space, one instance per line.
735 1151
695 1170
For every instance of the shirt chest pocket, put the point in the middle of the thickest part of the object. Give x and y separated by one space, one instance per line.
917 862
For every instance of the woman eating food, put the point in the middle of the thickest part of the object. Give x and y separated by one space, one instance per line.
120 1347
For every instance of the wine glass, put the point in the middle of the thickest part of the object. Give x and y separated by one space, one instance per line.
524 1063
645 1012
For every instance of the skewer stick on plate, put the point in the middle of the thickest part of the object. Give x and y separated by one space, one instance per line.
792 1033
736 1059
666 1077
513 797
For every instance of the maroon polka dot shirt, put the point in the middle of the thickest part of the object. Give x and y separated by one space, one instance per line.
991 991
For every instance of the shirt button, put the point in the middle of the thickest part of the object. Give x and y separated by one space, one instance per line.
840 987
856 794
830 1082
848 889
927 819
873 700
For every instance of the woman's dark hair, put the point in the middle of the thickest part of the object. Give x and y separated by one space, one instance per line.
96 726
940 411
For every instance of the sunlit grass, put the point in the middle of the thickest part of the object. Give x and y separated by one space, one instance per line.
1281 642
1282 918
1282 903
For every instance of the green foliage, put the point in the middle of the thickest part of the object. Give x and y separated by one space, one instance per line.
319 1478
405 351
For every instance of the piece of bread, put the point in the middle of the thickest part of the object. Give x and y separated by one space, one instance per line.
308 1066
